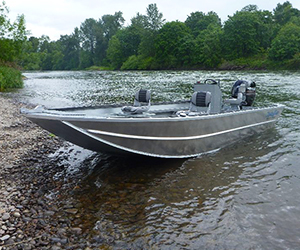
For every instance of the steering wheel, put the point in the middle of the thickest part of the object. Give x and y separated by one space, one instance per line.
211 80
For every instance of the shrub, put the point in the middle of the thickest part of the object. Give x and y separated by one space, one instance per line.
131 63
294 63
10 78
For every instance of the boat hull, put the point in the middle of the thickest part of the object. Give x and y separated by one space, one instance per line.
170 137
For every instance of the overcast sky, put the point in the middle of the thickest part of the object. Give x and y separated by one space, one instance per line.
59 17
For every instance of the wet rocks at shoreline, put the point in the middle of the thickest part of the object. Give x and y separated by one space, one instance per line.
30 218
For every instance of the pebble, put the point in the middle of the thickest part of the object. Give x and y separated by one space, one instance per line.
5 237
17 214
71 211
27 213
56 248
9 166
5 216
49 213
76 230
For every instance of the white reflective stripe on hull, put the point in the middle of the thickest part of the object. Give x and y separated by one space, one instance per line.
132 150
93 131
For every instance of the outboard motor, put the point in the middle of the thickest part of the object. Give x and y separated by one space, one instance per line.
250 94
245 89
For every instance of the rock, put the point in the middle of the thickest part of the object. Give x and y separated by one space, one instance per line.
12 229
17 214
76 230
49 213
56 248
9 166
5 216
71 211
59 240
5 237
29 216
55 240
26 211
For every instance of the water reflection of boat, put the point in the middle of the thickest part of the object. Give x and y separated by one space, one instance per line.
173 130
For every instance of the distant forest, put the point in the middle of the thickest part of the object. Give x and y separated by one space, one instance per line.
249 39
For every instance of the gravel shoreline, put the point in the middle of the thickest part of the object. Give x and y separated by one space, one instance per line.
29 218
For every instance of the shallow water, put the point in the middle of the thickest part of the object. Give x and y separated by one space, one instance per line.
244 196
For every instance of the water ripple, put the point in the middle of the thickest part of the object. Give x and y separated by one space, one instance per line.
244 196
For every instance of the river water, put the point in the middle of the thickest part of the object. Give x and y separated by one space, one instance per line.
244 196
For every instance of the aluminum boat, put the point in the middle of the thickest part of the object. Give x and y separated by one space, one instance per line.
184 129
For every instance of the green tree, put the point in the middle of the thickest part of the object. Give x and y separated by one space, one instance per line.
153 22
136 41
12 40
199 21
89 31
284 12
186 51
208 50
12 36
266 30
286 44
95 36
34 44
31 59
110 24
124 44
168 42
245 33
154 18
114 53
70 49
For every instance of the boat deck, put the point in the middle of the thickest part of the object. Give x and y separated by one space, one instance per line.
163 110
156 110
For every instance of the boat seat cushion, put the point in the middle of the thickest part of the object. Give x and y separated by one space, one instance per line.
201 98
141 96
200 103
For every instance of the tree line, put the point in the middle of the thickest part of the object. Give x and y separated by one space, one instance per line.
12 40
250 38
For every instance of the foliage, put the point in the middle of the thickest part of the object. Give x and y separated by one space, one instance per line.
115 53
283 13
250 38
199 21
70 49
168 43
208 47
131 63
12 40
98 68
10 78
286 44
256 62
242 33
293 63
12 35
154 19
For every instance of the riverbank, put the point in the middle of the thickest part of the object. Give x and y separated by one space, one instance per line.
30 217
